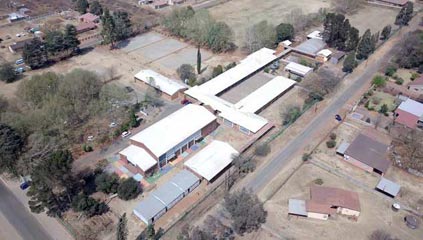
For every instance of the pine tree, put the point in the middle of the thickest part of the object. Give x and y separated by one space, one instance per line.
365 46
386 32
198 60
71 40
54 42
150 232
122 231
81 6
109 28
353 39
349 63
35 54
96 8
405 14
123 26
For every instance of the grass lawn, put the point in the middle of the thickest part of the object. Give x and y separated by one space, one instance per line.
382 98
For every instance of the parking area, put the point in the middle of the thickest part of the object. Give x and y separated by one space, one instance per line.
246 87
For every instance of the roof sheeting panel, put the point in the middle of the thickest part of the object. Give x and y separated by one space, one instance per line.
388 186
149 208
175 128
298 68
311 46
139 157
265 94
249 65
160 82
184 180
297 207
212 159
167 193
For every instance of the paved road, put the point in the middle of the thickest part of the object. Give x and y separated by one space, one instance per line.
265 174
19 217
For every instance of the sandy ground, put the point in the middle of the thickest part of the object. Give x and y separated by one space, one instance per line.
375 212
373 18
240 14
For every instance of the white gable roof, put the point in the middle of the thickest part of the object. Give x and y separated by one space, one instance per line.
212 159
162 136
298 68
412 107
325 52
139 157
159 81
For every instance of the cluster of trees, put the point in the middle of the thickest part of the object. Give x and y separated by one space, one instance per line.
405 14
339 33
200 27
7 73
411 51
302 21
213 229
150 233
116 27
83 6
410 147
57 44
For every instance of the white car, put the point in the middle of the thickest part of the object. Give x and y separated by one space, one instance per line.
112 125
125 134
90 138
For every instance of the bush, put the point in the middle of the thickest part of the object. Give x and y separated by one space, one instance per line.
262 149
88 205
399 81
129 189
370 92
267 70
390 71
217 71
368 120
107 183
87 148
332 136
306 156
7 73
384 109
414 76
230 65
379 81
318 181
331 143
186 72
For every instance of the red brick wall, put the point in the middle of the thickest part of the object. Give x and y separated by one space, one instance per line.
209 128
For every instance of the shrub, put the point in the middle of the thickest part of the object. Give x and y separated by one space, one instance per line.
7 73
384 109
399 81
88 205
368 120
230 65
379 81
332 136
217 71
318 181
129 189
390 71
414 76
267 70
87 148
370 92
186 72
262 149
331 143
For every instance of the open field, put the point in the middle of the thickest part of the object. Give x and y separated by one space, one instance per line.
375 212
373 18
240 14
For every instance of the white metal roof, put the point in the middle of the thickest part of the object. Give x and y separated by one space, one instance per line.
172 130
298 68
139 157
388 186
315 34
325 52
212 159
167 193
213 101
249 65
297 207
159 81
184 180
265 94
149 208
412 107
287 43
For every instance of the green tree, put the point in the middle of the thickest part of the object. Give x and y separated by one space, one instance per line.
410 54
260 35
123 26
129 189
352 40
40 87
70 38
386 32
384 109
150 232
88 205
122 228
349 63
11 144
290 114
96 8
405 14
107 183
35 54
7 73
379 81
186 72
246 211
109 28
217 71
81 6
284 31
198 60
366 45
54 42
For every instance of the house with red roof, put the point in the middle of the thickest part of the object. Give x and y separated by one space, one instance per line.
409 114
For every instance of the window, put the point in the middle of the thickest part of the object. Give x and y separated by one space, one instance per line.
244 130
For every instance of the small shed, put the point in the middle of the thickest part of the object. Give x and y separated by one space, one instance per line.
298 69
286 43
337 57
168 194
323 55
388 187
149 210
186 181
297 207
342 148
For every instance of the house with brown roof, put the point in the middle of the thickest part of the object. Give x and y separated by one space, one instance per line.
326 201
368 154
89 17
416 85
18 46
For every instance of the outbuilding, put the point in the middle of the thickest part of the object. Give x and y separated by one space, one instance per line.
89 17
149 210
186 181
337 57
168 194
297 207
388 187
298 69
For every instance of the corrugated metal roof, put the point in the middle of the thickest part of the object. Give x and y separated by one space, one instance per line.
388 186
167 193
184 180
298 68
297 207
149 207
311 46
412 107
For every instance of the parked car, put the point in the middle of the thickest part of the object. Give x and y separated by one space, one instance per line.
24 185
129 89
90 138
338 117
19 61
112 125
20 70
126 134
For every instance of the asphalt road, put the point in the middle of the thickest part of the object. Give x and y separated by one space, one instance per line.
19 216
265 174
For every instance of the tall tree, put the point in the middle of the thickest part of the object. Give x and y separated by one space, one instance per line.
35 54
353 39
150 232
349 63
122 229
123 26
386 32
7 73
54 42
284 31
198 60
260 35
405 14
81 6
365 46
109 28
336 31
71 40
96 8
11 144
